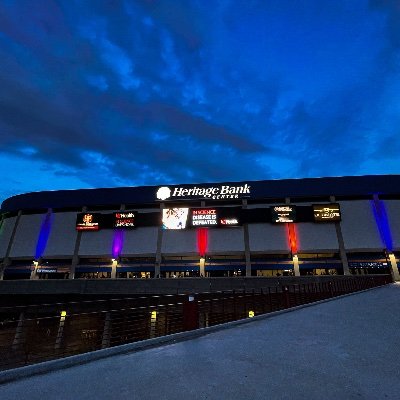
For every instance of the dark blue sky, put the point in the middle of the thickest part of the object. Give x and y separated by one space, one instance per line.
110 93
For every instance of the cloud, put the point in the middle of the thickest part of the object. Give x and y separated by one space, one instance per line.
148 92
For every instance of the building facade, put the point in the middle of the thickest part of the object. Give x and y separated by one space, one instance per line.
344 225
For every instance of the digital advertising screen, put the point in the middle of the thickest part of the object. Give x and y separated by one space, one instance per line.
229 217
214 217
229 221
204 217
326 212
88 222
124 219
283 213
174 218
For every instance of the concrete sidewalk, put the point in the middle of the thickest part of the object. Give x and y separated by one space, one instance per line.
348 348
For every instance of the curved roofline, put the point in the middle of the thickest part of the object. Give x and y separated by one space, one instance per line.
261 189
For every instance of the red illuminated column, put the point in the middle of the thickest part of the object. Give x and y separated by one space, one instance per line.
293 247
202 243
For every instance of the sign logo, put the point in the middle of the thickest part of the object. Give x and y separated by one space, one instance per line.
326 212
283 214
217 192
124 219
87 218
163 193
88 221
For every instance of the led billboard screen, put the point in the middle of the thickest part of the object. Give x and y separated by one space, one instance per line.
214 217
284 213
124 219
174 218
326 212
229 221
204 217
88 222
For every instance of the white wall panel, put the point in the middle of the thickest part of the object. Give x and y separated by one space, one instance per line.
359 228
179 241
97 243
5 234
316 236
393 213
225 240
268 237
26 237
140 241
62 235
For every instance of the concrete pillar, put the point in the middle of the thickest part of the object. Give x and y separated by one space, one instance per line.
60 332
296 266
75 257
246 242
105 340
157 266
34 271
114 269
19 332
114 265
153 324
295 258
394 268
202 264
6 261
342 250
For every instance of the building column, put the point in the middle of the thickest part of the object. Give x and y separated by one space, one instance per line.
114 265
342 250
114 269
246 239
6 261
202 264
383 225
394 268
202 261
293 244
157 266
35 267
296 266
19 332
75 257
105 339
60 332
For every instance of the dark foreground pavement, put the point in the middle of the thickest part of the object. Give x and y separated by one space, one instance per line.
348 348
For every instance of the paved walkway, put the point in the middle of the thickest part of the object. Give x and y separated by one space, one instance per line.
348 348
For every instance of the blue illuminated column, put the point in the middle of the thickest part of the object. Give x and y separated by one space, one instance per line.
43 238
382 221
44 234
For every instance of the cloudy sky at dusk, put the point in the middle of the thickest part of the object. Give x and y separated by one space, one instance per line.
146 92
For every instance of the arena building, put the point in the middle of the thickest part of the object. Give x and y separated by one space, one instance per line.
316 226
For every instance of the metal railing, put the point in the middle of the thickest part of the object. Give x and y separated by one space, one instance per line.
44 332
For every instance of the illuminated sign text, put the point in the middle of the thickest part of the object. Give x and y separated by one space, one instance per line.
124 219
284 213
213 192
87 222
326 212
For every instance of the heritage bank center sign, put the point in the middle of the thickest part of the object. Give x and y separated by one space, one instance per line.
215 192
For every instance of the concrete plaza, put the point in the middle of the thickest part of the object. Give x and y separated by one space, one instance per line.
347 348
